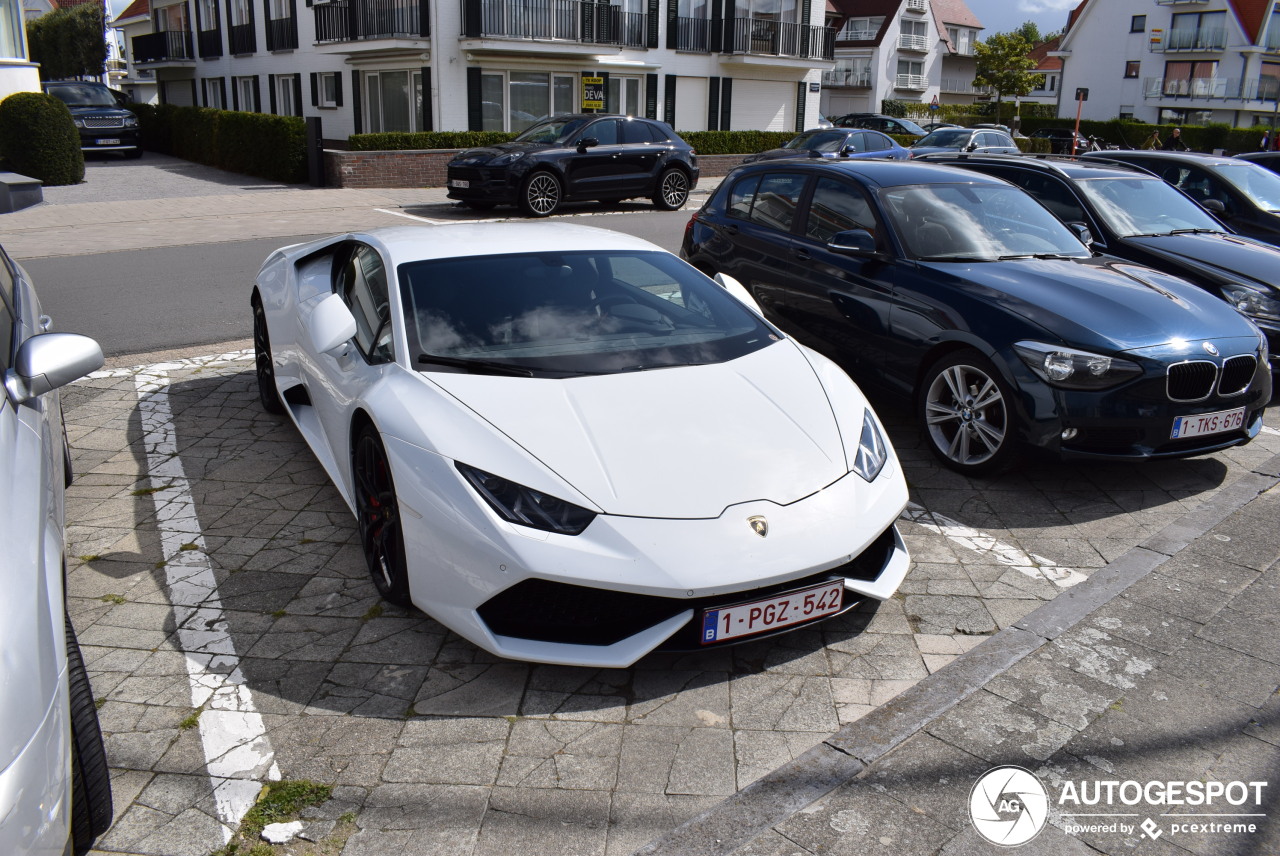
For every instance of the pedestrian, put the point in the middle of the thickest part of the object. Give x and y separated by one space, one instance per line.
1265 145
1175 143
1153 141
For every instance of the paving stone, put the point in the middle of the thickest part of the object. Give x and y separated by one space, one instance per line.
871 823
948 615
1053 689
703 764
1050 842
1222 670
999 730
517 820
1249 633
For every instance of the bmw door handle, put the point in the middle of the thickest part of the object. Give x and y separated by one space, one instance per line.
802 255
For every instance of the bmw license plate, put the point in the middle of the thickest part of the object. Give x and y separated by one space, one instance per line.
108 142
459 183
760 616
1207 423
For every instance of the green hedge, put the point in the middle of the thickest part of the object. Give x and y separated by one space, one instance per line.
399 141
258 144
39 139
735 142
1125 132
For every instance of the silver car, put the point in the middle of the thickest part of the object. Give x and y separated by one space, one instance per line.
55 792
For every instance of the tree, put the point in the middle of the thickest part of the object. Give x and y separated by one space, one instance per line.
69 42
1003 65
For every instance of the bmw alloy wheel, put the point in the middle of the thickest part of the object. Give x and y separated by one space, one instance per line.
966 415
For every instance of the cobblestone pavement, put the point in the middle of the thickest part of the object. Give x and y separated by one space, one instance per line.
232 633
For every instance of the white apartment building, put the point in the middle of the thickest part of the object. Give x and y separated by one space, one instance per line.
1173 61
491 65
17 72
905 50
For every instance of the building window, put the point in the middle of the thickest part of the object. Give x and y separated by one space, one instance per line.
172 19
769 10
1138 24
1126 111
213 93
623 96
1198 31
12 33
394 100
327 88
246 94
861 29
286 95
514 100
1131 68
1192 78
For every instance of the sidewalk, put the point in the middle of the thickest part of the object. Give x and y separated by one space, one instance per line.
1164 666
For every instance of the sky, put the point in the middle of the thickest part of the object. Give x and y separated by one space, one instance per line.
1002 16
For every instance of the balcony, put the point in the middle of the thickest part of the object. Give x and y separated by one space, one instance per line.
850 34
1192 40
1273 42
907 42
963 86
242 39
693 34
209 43
765 37
916 5
1212 88
282 33
847 78
555 21
910 81
368 20
168 46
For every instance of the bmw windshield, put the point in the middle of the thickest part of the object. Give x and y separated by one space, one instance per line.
976 222
559 314
1260 184
1136 205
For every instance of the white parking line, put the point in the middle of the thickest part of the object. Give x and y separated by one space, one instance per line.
421 219
238 754
1266 429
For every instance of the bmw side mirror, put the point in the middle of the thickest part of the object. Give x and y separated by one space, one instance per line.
330 325
1215 206
853 242
1082 232
972 147
587 143
48 361
739 291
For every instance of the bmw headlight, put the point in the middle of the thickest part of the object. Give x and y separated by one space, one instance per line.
873 451
516 503
506 159
1251 301
1072 369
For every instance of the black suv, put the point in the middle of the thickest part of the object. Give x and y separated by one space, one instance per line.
575 157
879 122
103 124
1139 218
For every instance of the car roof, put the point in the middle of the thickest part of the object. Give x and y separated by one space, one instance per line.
1072 168
880 173
1159 154
419 243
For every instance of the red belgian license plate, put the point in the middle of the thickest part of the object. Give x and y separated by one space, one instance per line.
760 616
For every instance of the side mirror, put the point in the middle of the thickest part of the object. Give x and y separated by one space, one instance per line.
971 147
739 291
845 151
330 325
1214 206
1082 232
48 361
853 242
587 143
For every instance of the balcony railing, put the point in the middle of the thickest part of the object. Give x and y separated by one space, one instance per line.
779 38
282 33
162 47
962 86
210 43
554 20
907 42
693 34
1182 2
846 77
1214 39
852 34
1213 88
242 39
915 5
910 81
1273 42
363 20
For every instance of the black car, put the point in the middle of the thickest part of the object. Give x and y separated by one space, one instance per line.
1137 217
1242 194
836 143
575 157
880 122
1271 160
963 291
103 124
1062 139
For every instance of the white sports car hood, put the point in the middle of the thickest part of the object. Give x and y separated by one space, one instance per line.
676 443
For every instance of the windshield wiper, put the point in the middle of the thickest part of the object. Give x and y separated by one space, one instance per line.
1034 256
475 366
1197 232
960 258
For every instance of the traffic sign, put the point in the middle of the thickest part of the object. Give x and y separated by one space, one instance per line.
933 105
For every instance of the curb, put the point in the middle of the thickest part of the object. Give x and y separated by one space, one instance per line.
736 821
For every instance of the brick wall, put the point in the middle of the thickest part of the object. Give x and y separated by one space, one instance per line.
426 167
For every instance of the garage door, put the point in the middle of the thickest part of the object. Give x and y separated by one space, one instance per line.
763 105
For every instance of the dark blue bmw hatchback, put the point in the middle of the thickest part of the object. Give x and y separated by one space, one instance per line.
963 291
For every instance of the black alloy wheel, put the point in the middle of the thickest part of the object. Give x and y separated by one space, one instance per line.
91 809
263 367
540 195
378 517
673 190
965 411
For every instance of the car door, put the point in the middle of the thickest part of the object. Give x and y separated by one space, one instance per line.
761 213
875 145
596 172
995 142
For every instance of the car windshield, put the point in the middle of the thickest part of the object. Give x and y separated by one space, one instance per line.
551 131
819 141
950 138
569 313
1260 184
983 222
1138 205
82 95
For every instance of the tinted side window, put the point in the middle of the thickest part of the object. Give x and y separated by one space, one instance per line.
875 142
636 132
6 315
776 201
836 207
741 196
1049 192
362 283
606 132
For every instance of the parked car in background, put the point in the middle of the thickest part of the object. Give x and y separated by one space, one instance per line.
836 143
1135 216
879 122
575 157
965 140
55 788
824 122
103 124
961 290
1271 160
1061 140
568 446
1242 194
933 126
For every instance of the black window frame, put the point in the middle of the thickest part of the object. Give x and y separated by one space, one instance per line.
1132 65
1138 24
